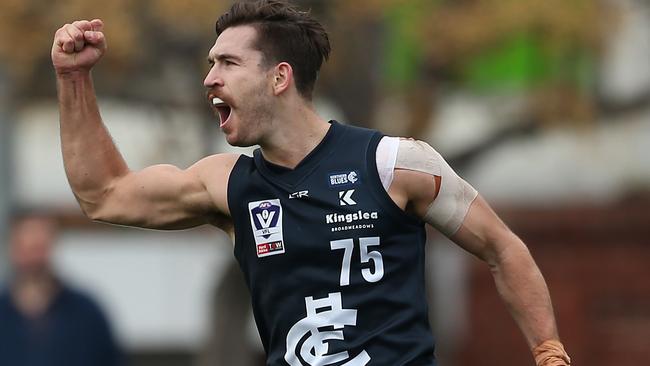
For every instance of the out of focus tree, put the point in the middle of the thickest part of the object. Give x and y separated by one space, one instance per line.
381 47
137 32
453 33
546 48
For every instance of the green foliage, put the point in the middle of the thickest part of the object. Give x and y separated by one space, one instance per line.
516 63
403 53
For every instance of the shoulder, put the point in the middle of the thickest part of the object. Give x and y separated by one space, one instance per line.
214 173
214 169
397 155
5 297
81 302
217 163
406 151
78 297
419 156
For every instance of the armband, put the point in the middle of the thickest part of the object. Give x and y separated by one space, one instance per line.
448 210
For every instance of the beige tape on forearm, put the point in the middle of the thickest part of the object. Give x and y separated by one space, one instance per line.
447 212
551 353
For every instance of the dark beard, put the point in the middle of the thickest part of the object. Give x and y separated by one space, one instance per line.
255 118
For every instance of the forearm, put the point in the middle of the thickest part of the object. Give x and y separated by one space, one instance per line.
523 289
518 280
90 157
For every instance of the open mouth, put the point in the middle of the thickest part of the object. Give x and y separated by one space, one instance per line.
223 109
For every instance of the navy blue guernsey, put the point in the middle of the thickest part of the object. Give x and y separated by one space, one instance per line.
334 267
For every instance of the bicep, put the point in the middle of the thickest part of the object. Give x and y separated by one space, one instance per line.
431 189
483 234
159 197
461 214
426 186
166 197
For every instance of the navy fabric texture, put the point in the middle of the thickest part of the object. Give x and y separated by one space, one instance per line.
334 267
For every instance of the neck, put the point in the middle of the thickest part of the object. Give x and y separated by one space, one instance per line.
33 293
297 133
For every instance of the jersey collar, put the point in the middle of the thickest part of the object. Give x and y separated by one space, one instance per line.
292 177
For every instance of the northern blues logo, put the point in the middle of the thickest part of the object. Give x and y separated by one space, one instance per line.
343 179
266 222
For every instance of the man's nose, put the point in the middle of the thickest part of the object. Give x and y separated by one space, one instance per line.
212 79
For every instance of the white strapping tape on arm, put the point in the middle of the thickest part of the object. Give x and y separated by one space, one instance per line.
447 212
386 157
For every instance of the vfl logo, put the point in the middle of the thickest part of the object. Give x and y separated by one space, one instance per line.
266 222
345 198
307 339
344 179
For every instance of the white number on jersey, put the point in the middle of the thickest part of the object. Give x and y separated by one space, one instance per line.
373 256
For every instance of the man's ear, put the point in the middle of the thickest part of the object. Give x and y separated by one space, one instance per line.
282 78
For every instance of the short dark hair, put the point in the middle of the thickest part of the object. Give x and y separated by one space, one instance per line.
284 34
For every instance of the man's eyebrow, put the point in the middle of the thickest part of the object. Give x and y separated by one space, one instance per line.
223 56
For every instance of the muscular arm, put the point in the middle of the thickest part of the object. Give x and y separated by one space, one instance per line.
161 196
480 231
518 279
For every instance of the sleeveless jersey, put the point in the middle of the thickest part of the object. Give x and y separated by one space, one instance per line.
334 267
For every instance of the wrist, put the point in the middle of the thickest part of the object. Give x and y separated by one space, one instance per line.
551 353
72 75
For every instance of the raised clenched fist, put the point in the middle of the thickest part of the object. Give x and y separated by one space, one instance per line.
78 46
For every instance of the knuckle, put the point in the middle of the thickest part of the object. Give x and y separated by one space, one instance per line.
74 33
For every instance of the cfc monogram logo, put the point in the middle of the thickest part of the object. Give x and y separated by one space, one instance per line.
324 312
